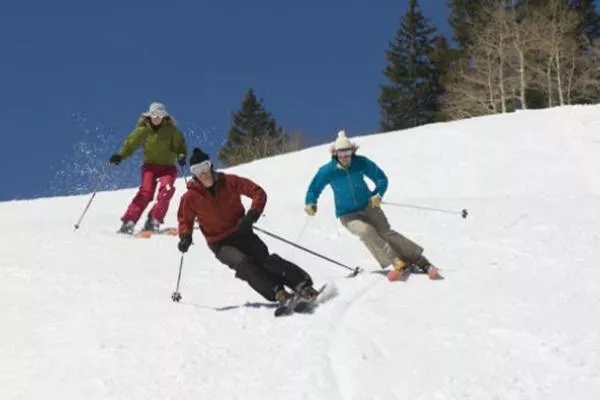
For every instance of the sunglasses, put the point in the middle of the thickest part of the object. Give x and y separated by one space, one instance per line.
201 168
343 152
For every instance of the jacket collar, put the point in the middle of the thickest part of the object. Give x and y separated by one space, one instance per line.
195 185
335 164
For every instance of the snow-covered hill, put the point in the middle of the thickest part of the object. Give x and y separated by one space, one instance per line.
88 314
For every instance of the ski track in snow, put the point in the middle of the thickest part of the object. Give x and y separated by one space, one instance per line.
341 382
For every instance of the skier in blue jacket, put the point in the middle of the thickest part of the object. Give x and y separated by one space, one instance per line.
358 208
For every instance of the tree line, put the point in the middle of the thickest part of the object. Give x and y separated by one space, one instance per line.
504 55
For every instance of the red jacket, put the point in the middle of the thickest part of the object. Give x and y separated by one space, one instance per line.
219 215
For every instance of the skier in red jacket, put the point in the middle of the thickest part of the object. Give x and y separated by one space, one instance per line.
214 199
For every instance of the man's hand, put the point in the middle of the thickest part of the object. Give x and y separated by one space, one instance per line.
185 241
310 209
375 201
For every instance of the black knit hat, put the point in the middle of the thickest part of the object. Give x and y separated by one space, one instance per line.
198 156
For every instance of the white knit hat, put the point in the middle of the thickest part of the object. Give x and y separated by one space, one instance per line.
156 110
342 142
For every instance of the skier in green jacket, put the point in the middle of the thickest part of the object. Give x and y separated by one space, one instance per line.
163 146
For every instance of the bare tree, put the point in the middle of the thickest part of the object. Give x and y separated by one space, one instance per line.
470 90
485 81
517 49
254 148
563 67
524 41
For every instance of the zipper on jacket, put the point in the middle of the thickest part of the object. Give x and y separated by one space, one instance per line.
351 187
213 200
218 206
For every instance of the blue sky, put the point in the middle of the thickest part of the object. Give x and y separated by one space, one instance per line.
74 76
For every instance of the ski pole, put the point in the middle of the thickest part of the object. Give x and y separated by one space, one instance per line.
303 229
176 296
463 212
100 181
354 272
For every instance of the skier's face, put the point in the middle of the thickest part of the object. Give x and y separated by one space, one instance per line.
156 120
344 156
206 178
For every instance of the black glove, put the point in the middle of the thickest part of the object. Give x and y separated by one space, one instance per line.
115 159
185 241
181 160
248 220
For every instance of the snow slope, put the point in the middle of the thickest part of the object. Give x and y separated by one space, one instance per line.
88 315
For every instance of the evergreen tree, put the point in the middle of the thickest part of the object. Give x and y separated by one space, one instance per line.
411 97
253 134
443 58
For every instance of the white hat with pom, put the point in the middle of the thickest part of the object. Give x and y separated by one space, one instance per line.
342 142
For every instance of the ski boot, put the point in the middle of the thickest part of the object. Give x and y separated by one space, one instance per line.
431 271
399 271
151 225
283 297
127 227
285 302
308 293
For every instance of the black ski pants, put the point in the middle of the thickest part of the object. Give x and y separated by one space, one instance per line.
249 257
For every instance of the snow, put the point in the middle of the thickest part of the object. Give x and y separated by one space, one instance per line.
87 314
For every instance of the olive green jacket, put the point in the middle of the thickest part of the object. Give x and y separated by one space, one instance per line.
161 146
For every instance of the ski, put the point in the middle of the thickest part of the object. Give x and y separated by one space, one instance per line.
149 234
162 231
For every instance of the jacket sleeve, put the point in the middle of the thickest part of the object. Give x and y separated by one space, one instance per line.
316 186
180 146
250 189
185 215
132 142
376 174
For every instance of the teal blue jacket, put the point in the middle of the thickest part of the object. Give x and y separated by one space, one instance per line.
350 190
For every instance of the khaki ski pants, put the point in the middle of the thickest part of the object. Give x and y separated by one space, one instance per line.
384 243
